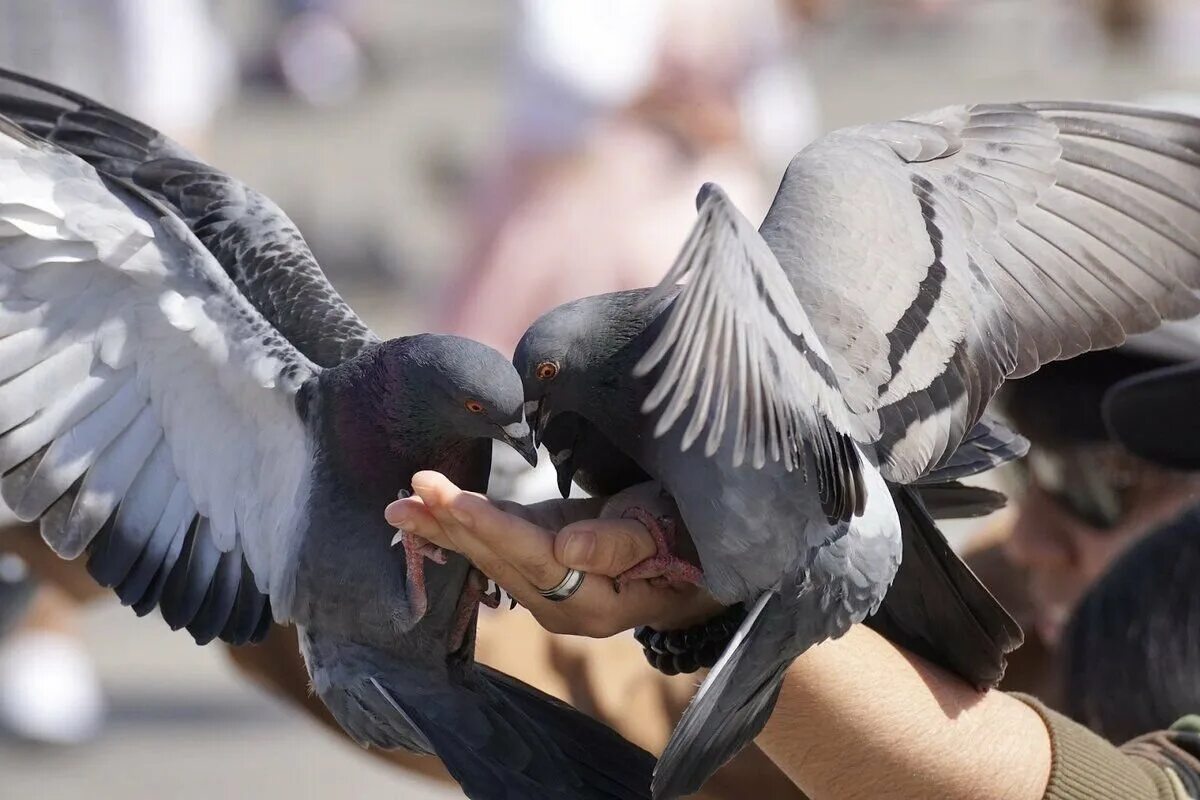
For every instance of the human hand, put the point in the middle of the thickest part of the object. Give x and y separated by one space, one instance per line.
518 547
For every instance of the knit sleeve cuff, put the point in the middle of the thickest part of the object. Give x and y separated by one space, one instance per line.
1086 767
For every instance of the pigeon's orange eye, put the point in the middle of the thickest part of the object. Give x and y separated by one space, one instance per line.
546 370
475 407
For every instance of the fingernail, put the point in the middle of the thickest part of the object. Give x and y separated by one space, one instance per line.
579 547
395 514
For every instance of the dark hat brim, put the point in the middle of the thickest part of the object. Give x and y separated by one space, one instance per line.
1156 415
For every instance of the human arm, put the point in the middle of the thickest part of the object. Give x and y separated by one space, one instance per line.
861 718
857 717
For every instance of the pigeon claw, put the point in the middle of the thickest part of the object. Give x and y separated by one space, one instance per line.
491 596
664 563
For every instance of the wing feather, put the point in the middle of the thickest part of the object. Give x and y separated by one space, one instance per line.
906 269
115 551
738 350
252 240
1062 227
147 409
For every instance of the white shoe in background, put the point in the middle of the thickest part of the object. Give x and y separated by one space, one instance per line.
49 690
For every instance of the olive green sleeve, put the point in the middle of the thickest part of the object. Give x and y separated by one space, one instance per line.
1086 767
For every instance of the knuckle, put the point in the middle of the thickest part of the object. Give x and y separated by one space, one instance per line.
629 549
543 568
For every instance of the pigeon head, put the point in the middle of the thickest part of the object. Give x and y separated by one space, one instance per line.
579 358
420 402
467 391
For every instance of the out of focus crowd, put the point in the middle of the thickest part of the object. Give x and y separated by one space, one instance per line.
613 113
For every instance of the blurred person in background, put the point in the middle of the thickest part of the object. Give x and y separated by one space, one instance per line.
316 54
1145 605
1142 618
1084 499
164 62
618 112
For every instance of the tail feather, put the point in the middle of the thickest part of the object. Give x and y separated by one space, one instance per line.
732 705
612 766
956 500
938 609
499 738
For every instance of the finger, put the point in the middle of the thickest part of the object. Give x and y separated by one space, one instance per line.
430 510
554 514
413 517
597 611
438 493
475 524
606 547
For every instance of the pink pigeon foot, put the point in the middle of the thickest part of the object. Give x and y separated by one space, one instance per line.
474 590
416 550
663 563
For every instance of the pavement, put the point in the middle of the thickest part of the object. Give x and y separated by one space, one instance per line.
182 724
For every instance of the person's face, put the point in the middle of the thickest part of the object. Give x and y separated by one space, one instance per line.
1081 508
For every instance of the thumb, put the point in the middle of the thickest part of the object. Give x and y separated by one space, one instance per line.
604 546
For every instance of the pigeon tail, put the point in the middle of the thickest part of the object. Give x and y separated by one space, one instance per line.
735 700
938 609
955 500
496 736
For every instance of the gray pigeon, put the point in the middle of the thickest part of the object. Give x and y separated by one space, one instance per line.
185 400
812 376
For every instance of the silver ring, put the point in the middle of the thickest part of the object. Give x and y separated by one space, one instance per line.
567 587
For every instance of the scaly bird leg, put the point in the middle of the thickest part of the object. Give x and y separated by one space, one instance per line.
416 550
663 563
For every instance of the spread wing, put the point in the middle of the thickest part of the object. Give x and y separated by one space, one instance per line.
740 355
148 411
935 256
256 244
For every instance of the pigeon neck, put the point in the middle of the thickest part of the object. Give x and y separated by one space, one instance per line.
615 404
378 432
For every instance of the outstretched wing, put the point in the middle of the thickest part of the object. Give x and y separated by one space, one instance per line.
256 244
740 354
148 412
935 256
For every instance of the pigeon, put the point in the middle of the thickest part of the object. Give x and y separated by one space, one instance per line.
187 402
807 382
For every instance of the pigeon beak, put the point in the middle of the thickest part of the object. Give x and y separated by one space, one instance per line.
519 437
564 466
539 416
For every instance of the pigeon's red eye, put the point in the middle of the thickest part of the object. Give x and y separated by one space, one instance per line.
475 407
546 370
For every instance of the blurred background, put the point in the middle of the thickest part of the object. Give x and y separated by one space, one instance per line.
465 165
